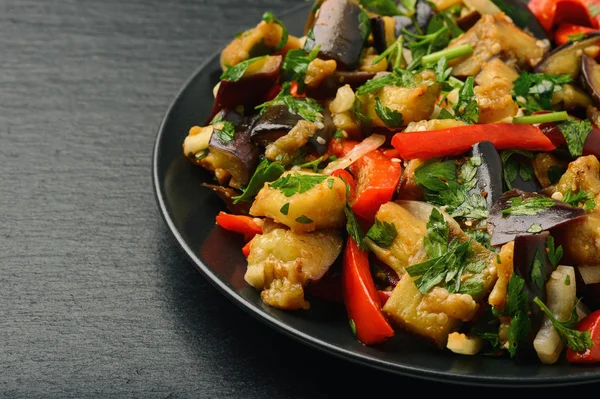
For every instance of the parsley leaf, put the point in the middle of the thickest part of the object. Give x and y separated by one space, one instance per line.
398 77
467 109
482 237
535 228
354 229
442 71
537 270
382 233
381 7
297 183
236 72
530 206
514 166
438 234
224 130
578 341
268 17
581 197
390 117
554 254
575 133
285 208
443 186
295 64
308 109
265 172
304 219
516 308
533 91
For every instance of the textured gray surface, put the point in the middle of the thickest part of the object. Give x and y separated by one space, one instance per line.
96 300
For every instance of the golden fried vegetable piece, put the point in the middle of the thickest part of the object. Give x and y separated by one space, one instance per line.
282 262
495 101
504 270
496 35
457 306
405 308
407 247
582 238
414 103
496 68
260 40
319 207
284 148
318 71
433 124
542 164
464 344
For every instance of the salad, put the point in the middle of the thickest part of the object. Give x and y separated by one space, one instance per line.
431 165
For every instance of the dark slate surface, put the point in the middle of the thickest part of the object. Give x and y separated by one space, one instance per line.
96 300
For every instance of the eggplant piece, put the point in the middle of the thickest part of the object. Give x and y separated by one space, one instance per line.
339 30
320 141
566 59
252 89
467 21
532 264
504 228
275 122
590 147
239 157
332 83
489 173
226 194
532 185
590 77
589 293
379 32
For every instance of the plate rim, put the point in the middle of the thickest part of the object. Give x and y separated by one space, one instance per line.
300 336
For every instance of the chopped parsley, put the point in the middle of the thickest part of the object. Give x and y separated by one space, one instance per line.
513 166
582 197
398 77
554 254
268 17
535 228
482 237
533 91
448 260
516 308
530 206
308 108
354 229
443 186
537 270
382 233
297 183
304 219
578 341
314 165
224 130
390 117
285 208
265 172
575 133
295 64
381 7
236 72
576 37
467 109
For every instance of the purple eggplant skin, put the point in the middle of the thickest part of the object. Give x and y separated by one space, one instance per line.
527 249
504 228
532 185
320 141
566 59
275 122
590 77
239 156
467 21
226 194
339 33
379 37
250 90
489 174
328 88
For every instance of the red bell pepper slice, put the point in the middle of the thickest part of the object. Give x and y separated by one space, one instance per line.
458 140
377 177
589 323
565 31
552 13
246 249
361 298
349 179
384 296
240 224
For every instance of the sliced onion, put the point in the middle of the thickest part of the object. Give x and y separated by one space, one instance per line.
369 144
483 6
590 274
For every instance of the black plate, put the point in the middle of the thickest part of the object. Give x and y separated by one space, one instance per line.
189 210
